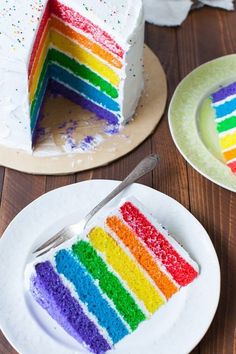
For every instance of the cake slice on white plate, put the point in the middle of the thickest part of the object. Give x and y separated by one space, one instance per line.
101 286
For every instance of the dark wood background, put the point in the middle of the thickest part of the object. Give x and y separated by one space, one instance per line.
206 34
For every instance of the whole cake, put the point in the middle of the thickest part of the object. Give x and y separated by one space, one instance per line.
90 51
102 285
224 105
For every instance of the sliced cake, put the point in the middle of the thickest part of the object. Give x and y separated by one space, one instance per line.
102 285
224 105
90 52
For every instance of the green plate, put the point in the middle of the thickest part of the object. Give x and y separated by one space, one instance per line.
191 119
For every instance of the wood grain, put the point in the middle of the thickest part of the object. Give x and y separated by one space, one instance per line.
53 182
18 191
171 177
206 34
2 172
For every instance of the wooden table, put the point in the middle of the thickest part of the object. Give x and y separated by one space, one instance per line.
205 35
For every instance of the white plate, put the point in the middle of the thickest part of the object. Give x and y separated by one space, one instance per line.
175 329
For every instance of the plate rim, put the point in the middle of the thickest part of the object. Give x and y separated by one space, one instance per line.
171 128
150 189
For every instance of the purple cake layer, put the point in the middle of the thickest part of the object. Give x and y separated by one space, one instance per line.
78 99
49 291
224 92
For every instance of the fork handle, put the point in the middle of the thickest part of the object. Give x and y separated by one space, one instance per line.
145 166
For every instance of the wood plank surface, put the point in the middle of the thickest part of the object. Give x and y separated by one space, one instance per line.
206 34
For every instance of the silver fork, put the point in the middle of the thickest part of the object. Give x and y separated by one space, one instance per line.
145 166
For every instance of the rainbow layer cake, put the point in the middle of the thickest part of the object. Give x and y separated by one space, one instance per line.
224 105
90 52
103 285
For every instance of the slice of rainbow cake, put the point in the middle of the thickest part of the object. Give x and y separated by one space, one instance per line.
77 55
102 286
224 105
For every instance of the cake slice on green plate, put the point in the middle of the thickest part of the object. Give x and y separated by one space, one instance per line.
224 105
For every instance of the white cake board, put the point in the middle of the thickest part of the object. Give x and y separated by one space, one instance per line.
50 156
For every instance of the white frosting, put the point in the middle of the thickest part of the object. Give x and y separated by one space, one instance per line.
118 17
122 19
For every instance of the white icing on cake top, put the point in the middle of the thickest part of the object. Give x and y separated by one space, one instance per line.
118 17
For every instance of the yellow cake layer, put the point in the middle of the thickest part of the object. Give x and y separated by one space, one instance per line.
81 39
127 269
43 41
83 56
228 140
33 84
65 45
144 258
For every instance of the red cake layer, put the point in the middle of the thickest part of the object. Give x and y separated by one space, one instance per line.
75 19
182 272
232 165
43 23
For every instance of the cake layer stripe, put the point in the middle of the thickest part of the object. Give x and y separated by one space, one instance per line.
34 129
73 96
55 72
109 284
230 154
89 294
82 71
181 271
225 108
35 80
228 140
83 57
226 124
65 45
127 269
60 74
143 257
37 103
55 298
43 22
224 92
85 42
40 52
78 21
39 95
58 88
232 165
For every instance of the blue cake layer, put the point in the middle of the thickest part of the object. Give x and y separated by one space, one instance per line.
225 108
88 293
66 78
